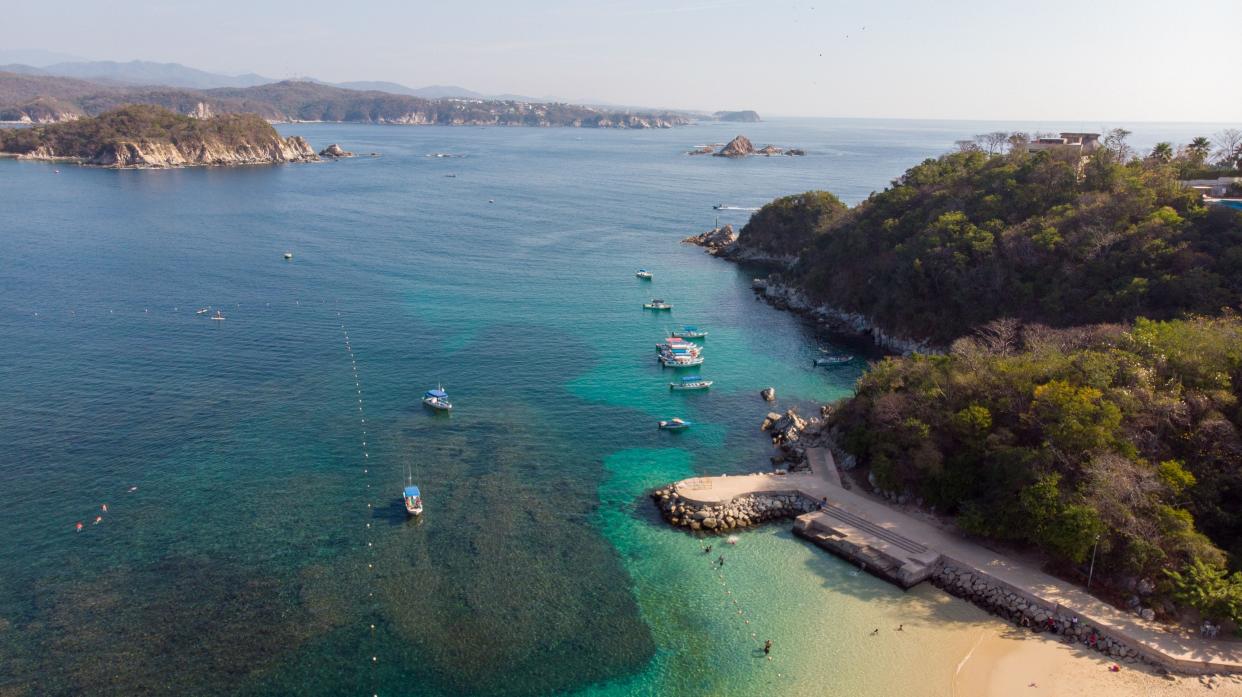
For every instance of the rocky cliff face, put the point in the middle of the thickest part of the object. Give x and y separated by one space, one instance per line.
120 155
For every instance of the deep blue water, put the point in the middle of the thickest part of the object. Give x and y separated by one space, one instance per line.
254 541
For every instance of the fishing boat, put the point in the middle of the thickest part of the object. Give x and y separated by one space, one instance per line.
690 382
288 256
202 310
643 274
833 360
671 361
675 424
219 316
437 399
413 500
657 304
690 331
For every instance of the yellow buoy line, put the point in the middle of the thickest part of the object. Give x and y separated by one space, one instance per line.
737 613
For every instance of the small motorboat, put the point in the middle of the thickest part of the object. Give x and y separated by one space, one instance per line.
833 360
675 424
657 304
674 361
690 382
413 500
437 399
219 316
288 256
690 332
202 310
643 274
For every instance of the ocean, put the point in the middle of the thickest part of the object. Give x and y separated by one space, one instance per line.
254 541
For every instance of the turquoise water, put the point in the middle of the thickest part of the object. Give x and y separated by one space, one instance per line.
254 541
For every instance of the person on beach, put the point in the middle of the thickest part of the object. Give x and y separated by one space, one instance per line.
901 627
875 631
767 647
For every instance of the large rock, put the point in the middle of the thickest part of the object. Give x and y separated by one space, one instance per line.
738 147
769 150
716 241
335 151
768 394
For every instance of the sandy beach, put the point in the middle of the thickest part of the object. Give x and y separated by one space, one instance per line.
1015 662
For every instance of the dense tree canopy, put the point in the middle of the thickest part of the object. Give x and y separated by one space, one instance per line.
1054 436
969 237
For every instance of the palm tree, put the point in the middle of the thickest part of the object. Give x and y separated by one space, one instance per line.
1162 152
1199 149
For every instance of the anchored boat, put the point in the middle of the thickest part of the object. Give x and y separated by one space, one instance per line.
690 382
678 361
690 331
675 424
657 304
437 399
833 360
413 500
643 274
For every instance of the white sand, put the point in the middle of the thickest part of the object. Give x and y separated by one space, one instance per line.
1016 662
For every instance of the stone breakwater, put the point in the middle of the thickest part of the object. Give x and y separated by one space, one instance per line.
741 512
1024 611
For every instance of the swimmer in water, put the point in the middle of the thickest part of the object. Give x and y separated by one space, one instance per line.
79 526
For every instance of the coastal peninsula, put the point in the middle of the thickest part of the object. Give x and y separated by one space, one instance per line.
144 136
1072 390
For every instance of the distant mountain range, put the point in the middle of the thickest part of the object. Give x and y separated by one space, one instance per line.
177 75
68 89
37 98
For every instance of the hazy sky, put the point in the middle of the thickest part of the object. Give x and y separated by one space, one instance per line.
1087 60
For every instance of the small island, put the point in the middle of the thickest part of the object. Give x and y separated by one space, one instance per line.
145 136
744 116
741 146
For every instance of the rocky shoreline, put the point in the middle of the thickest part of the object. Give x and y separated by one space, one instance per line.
1003 601
724 242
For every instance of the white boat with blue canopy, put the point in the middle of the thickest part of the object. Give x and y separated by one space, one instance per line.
413 500
675 424
657 304
437 399
690 331
643 274
690 382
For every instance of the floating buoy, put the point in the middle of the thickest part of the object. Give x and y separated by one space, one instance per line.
104 506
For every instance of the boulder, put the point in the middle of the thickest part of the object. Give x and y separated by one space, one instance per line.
769 150
334 151
710 523
768 394
716 241
795 151
768 420
738 147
